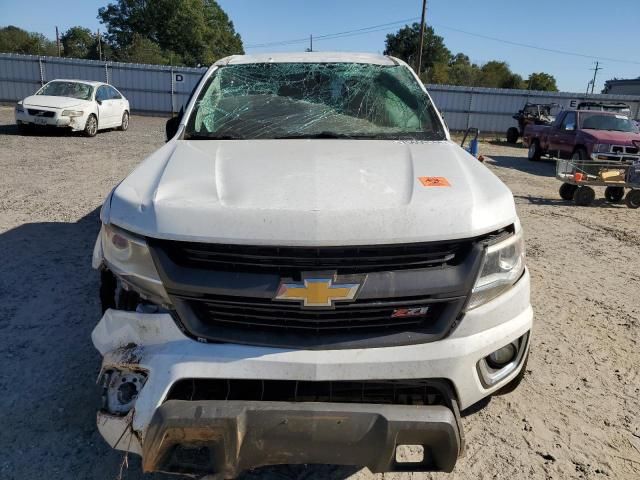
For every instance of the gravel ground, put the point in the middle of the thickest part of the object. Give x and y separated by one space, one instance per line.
575 415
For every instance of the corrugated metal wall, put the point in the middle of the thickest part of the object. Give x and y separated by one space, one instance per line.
491 109
149 88
159 89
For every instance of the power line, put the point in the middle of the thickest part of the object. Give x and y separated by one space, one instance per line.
385 26
526 45
330 36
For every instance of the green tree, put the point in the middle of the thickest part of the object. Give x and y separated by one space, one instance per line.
194 31
498 75
143 50
17 40
542 81
405 45
462 71
78 42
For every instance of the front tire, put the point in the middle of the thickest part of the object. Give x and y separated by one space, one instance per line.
125 122
91 127
535 153
579 154
567 190
24 129
512 135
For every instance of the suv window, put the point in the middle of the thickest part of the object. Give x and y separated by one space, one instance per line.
113 93
569 121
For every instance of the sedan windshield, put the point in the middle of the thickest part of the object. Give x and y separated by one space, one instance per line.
313 100
618 123
81 91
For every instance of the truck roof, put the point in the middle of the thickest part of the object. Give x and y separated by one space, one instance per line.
309 57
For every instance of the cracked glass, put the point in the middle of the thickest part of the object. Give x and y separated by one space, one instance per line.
313 100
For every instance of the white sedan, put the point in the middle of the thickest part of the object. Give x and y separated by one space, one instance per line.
77 104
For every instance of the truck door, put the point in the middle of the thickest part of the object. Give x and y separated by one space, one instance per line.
563 135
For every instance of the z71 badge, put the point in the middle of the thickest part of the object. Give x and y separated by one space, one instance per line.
409 312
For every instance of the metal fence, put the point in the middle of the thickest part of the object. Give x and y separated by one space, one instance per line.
159 89
153 89
491 109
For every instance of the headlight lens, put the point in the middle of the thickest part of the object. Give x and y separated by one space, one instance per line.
19 107
601 147
128 257
502 266
72 113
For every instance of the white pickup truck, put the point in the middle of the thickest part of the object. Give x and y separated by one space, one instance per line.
308 271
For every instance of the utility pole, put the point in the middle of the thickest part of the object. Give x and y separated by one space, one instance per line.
424 11
99 46
311 43
595 73
58 40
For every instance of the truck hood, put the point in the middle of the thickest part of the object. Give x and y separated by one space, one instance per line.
52 102
310 192
616 138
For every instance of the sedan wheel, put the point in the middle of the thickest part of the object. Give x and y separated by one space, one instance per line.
91 127
125 121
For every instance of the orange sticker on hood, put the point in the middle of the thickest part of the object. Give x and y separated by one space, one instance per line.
434 182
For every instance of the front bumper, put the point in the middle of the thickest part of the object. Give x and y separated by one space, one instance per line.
75 123
227 437
154 344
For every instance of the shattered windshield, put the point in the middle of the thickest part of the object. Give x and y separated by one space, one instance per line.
617 123
81 91
313 100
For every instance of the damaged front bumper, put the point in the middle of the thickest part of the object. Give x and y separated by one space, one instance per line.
226 437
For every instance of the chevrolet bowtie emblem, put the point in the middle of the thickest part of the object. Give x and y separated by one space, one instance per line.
318 291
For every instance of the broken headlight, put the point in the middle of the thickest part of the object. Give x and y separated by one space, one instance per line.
128 257
502 266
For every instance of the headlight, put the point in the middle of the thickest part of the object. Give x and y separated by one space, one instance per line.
128 257
19 107
502 266
72 113
601 148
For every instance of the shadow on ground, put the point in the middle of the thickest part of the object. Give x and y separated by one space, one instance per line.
48 308
543 168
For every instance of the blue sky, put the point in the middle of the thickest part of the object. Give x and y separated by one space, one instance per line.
607 30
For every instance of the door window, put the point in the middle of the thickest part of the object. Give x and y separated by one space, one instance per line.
569 122
113 93
102 94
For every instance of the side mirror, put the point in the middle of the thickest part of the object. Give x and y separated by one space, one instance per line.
171 127
99 102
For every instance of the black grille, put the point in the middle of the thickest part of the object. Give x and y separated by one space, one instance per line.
41 113
394 392
290 261
268 316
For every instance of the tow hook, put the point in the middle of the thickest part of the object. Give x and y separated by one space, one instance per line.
120 390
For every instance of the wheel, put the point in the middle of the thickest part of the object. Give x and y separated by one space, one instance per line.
24 129
513 384
584 196
632 199
125 122
614 194
567 190
535 152
91 127
579 154
512 135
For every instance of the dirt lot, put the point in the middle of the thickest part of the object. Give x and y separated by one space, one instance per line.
575 416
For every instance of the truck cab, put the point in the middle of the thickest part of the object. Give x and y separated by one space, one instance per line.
308 271
585 134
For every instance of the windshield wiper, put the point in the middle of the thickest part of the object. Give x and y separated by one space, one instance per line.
325 134
214 136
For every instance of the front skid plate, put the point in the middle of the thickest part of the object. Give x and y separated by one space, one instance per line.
227 437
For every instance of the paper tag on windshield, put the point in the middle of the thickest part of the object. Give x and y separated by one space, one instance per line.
621 117
434 182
